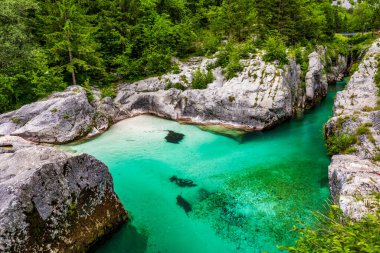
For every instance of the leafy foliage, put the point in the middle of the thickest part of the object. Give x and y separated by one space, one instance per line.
334 232
275 50
201 79
340 143
377 77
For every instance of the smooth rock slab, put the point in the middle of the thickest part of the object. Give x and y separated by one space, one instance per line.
52 201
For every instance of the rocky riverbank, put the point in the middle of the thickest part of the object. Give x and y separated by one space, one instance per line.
354 133
54 201
260 97
51 201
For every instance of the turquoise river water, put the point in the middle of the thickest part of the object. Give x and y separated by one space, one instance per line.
248 193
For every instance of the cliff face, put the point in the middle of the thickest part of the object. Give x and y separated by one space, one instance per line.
51 201
261 96
355 176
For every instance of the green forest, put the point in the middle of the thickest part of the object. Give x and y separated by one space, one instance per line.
46 45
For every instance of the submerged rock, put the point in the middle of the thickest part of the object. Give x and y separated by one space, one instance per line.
52 201
182 182
184 204
174 137
235 134
354 178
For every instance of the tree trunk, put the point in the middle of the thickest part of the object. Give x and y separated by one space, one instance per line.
73 71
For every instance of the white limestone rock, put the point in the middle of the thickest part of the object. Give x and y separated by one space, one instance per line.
52 201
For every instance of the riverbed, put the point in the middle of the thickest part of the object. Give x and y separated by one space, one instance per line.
247 196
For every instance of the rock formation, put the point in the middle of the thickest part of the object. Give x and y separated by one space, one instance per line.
51 201
260 97
60 118
348 4
355 176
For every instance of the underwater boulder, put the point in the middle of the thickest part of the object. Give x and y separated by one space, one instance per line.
53 201
184 204
174 137
182 182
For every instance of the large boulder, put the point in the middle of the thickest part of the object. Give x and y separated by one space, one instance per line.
52 201
60 118
354 185
316 79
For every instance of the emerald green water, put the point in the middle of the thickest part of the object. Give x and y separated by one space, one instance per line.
248 194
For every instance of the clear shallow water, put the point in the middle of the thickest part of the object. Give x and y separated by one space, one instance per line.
248 194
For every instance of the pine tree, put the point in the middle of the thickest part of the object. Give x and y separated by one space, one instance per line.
69 38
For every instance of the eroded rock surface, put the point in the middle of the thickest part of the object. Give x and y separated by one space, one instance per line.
257 98
60 118
355 177
52 201
260 97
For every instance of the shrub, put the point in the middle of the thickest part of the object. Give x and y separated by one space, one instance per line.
87 88
229 57
109 91
362 130
339 143
233 67
377 78
223 56
178 86
275 50
16 120
353 68
156 62
208 43
334 232
201 79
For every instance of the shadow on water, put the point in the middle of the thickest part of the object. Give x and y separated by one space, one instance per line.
130 241
300 119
